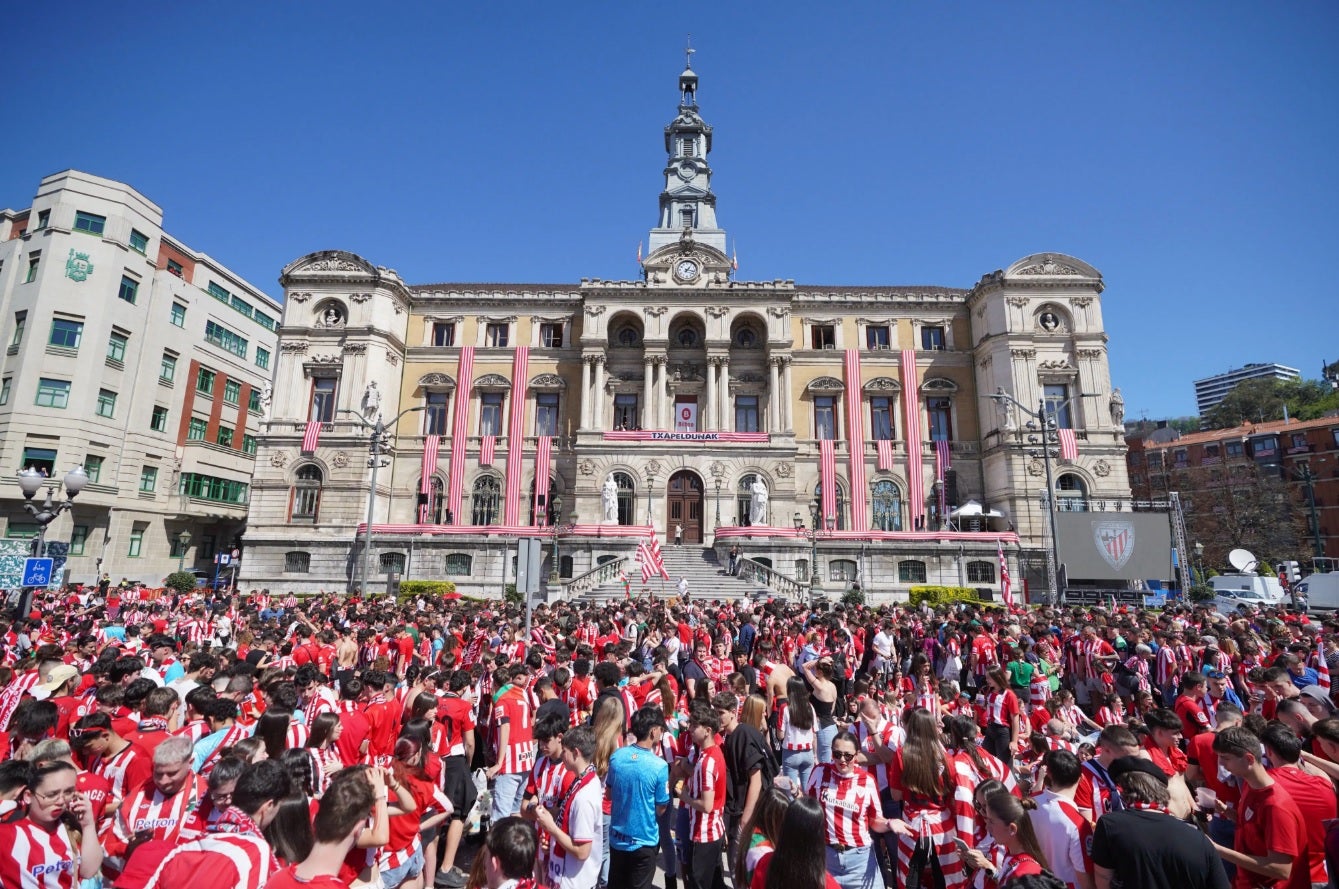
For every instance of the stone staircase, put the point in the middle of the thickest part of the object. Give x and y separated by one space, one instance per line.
706 577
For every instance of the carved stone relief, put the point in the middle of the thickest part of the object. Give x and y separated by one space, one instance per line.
586 467
436 379
783 470
1034 468
278 459
1048 266
298 348
340 460
355 348
360 297
1102 468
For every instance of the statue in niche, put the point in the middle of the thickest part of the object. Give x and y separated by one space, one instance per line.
758 502
1049 321
1117 408
372 401
609 500
332 317
266 397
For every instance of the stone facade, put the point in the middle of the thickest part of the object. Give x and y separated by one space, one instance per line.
686 388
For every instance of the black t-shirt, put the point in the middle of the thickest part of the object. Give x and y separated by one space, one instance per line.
1150 850
745 751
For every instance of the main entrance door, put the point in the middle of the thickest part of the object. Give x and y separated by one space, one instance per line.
683 500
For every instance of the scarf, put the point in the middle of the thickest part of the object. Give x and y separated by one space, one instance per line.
234 820
1148 807
564 806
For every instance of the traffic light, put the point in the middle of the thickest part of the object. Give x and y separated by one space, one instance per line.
1294 572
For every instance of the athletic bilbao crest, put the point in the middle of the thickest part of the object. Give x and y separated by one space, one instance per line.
1115 541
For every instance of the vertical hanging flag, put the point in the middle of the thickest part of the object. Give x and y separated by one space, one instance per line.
464 385
639 253
827 479
1322 667
734 257
520 377
430 447
650 560
1006 584
487 449
543 454
911 407
1069 445
943 463
311 437
855 439
885 453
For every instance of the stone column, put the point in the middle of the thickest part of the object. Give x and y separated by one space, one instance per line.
706 413
648 411
598 393
723 420
787 398
774 395
585 392
666 404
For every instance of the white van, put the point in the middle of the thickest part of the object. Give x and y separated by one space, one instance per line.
1321 591
1267 588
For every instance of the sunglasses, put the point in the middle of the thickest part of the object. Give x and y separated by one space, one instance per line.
844 757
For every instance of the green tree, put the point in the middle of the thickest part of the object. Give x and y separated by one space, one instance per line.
1239 506
1264 400
181 581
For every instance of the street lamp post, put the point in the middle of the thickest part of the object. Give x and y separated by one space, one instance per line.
30 482
183 541
1309 479
815 576
556 573
378 442
1045 431
1199 559
650 483
718 502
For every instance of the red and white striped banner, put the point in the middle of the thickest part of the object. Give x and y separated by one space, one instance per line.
487 449
1322 666
311 437
543 456
464 386
431 444
1069 445
943 463
1006 584
855 439
706 437
648 556
911 408
520 375
885 448
827 479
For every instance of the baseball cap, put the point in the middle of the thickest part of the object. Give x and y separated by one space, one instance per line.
58 676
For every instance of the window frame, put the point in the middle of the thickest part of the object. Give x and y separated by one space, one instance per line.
497 334
197 429
550 334
321 404
205 376
823 336
167 368
907 569
887 411
129 290
106 401
878 337
304 504
981 571
826 404
749 409
232 392
442 334
178 318
148 474
139 242
262 358
548 407
492 406
934 338
59 392
116 346
158 418
77 327
89 223
94 470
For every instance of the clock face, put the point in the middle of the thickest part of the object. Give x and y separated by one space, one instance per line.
686 270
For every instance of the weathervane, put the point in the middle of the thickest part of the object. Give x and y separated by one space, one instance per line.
688 52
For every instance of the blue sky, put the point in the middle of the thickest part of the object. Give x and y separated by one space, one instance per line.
1185 149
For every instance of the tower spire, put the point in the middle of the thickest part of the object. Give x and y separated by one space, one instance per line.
687 204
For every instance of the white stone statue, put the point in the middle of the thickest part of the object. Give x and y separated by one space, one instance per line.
266 397
758 502
1117 408
372 401
609 500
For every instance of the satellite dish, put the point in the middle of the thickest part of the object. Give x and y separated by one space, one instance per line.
1242 560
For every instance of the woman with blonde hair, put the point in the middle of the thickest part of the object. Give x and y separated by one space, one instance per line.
609 726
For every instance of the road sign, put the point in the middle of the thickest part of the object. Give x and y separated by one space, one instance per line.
37 572
225 559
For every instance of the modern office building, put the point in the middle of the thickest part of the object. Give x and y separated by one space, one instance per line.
140 359
593 413
1211 390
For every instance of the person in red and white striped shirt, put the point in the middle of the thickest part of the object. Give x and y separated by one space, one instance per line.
852 813
1063 833
160 810
704 797
513 744
39 853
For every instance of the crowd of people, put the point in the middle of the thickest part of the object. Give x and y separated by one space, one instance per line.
250 740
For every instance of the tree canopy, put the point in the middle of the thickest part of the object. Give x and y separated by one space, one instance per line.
1264 400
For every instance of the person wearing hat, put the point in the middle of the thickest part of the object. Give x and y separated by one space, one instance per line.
126 767
1143 845
1271 837
61 681
1317 700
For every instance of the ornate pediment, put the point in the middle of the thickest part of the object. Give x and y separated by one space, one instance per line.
1051 265
548 381
940 385
882 384
824 384
330 262
436 380
492 381
1048 266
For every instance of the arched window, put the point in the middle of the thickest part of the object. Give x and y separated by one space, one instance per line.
297 562
841 570
687 338
484 501
458 565
839 505
549 518
886 501
306 496
981 572
911 571
438 496
627 498
628 337
744 501
392 563
1071 494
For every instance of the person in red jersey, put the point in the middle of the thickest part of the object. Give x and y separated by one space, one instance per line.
161 809
60 685
1063 835
38 850
1202 771
849 798
1009 823
158 718
703 794
383 716
550 778
1313 794
1190 705
126 767
455 714
236 855
345 808
1004 717
1163 741
1270 847
513 741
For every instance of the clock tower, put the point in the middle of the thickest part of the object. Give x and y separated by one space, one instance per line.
687 205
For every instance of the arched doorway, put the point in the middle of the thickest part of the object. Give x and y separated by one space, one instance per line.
683 505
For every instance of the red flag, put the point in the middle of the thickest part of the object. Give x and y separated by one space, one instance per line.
648 556
311 437
827 476
639 253
734 257
543 456
885 448
430 447
1006 584
486 447
1322 668
1069 446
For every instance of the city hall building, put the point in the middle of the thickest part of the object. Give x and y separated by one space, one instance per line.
843 433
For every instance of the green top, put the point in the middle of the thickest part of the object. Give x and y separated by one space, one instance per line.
1020 673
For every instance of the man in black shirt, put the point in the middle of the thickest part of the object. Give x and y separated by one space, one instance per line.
746 754
1142 846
